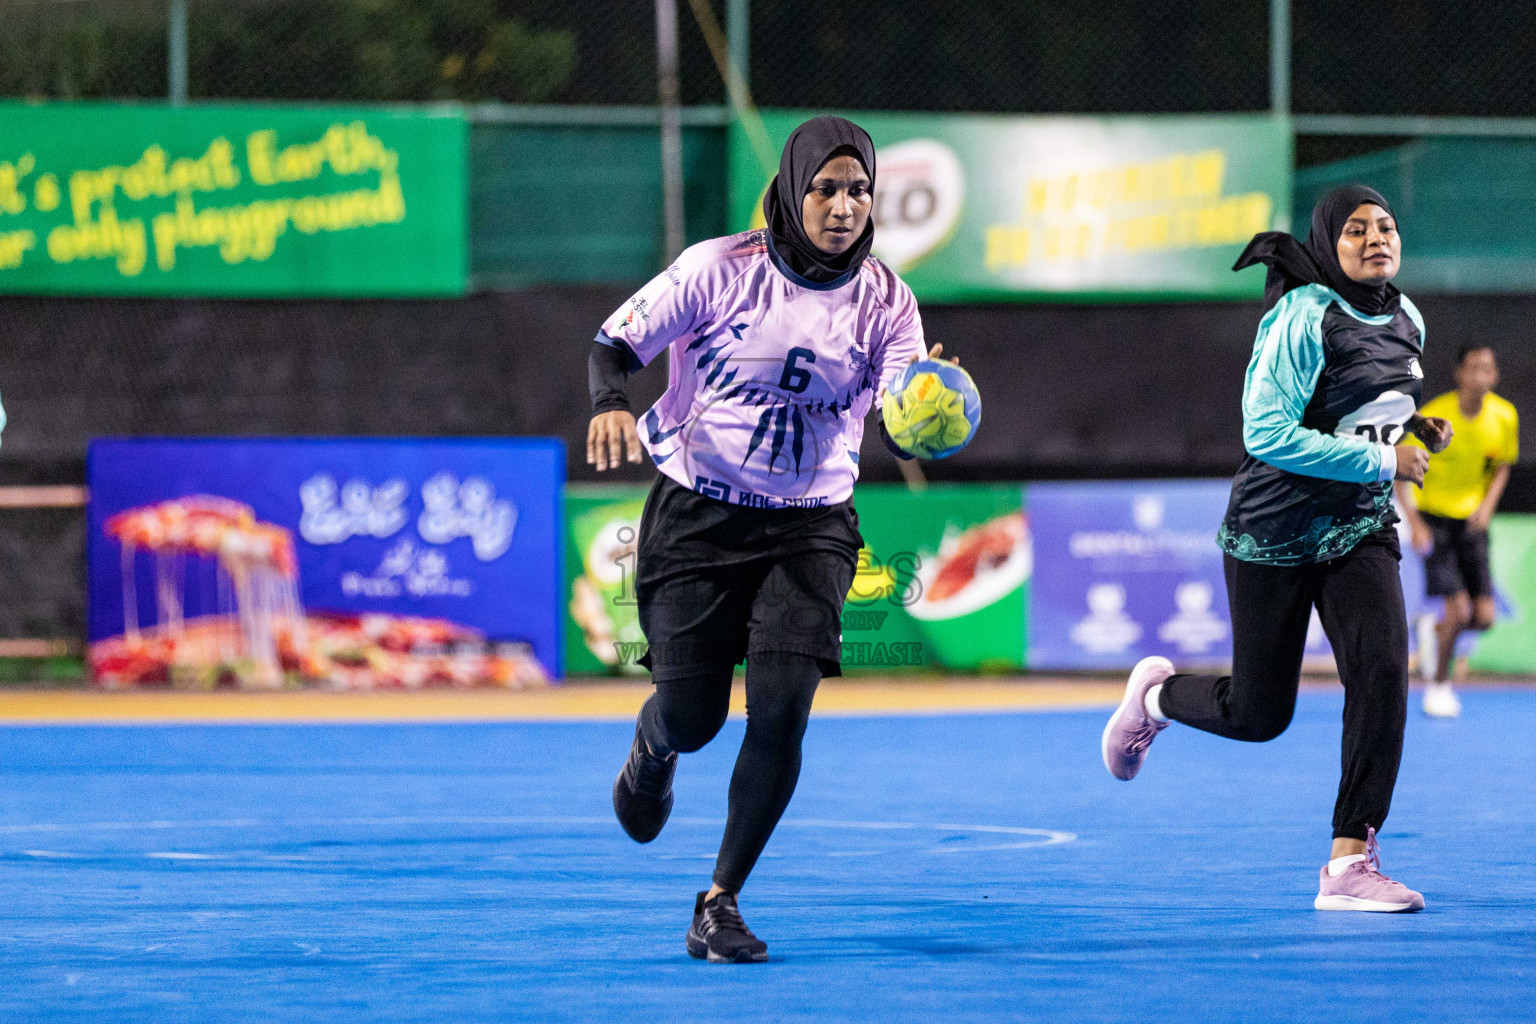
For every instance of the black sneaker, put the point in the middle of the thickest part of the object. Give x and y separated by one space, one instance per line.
720 936
642 794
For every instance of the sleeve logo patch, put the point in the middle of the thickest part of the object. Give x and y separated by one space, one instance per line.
638 306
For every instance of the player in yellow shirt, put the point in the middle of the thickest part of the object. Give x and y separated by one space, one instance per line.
1450 523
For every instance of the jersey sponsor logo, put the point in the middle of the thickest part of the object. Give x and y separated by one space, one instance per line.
640 307
858 358
712 488
754 500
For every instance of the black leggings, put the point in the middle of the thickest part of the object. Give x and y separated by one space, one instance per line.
1359 598
688 710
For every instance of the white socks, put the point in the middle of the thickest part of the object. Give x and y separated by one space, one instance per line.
1339 865
1152 702
1429 643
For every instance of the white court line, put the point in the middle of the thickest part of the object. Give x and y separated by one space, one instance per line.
52 854
1029 838
123 826
129 826
1034 837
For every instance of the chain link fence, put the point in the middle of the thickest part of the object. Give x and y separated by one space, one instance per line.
1414 57
528 51
1047 56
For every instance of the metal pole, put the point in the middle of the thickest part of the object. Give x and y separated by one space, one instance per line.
176 49
671 127
1409 124
738 31
1280 57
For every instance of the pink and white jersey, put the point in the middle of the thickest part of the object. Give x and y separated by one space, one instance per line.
771 375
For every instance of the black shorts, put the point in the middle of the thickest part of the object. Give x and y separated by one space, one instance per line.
1459 562
717 583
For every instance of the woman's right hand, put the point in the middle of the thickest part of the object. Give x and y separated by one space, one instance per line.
611 440
1412 461
934 353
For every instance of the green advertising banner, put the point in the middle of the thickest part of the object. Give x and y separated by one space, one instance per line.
1510 646
986 207
943 581
941 584
602 625
260 201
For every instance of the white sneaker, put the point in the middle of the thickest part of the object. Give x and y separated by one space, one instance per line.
1131 730
1440 701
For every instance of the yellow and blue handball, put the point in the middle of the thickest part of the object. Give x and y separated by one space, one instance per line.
932 409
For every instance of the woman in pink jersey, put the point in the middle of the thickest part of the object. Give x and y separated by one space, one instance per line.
782 340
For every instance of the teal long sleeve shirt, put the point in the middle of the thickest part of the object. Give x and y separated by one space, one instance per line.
1328 393
1288 358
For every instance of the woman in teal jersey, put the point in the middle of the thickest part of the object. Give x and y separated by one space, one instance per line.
1334 384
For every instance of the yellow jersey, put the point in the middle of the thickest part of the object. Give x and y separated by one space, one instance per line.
1458 478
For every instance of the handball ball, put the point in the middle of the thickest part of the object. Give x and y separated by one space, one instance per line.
932 409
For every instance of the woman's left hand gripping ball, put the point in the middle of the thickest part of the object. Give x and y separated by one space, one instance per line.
612 440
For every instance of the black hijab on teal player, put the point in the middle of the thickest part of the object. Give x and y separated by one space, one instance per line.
1293 263
809 148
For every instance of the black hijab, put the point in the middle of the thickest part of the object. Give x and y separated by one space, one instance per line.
1293 263
809 148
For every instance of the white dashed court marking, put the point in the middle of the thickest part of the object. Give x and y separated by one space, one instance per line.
1009 837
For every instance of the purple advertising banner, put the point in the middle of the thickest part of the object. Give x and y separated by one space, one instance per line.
1128 569
1124 570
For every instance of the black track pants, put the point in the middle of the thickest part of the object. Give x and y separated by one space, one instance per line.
1359 598
688 710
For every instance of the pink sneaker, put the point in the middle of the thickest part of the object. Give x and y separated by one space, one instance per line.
1131 730
1362 886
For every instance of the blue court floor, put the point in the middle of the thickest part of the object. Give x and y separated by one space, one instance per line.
961 868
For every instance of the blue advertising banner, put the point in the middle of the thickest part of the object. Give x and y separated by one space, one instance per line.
347 562
1129 569
1124 570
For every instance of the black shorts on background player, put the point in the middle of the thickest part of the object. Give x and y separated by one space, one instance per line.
1459 561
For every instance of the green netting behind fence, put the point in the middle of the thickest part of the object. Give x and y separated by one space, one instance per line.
583 204
1463 205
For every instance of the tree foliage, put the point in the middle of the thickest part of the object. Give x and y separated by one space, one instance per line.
379 50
